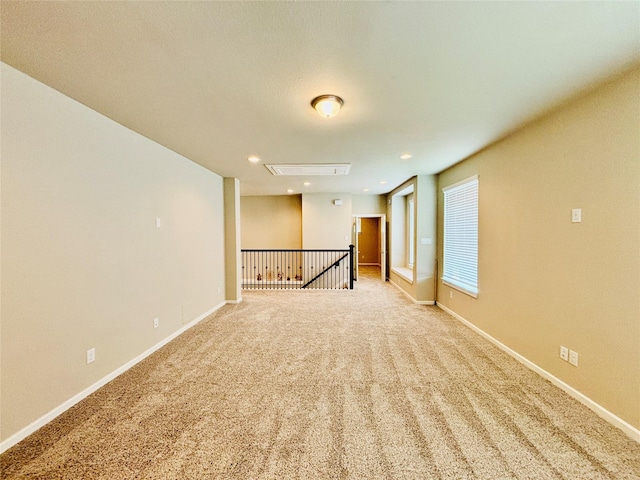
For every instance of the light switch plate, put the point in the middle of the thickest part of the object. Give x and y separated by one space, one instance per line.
91 355
576 215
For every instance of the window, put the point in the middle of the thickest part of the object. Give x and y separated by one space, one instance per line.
403 228
410 230
460 269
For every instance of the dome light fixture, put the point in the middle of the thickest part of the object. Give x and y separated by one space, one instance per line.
327 105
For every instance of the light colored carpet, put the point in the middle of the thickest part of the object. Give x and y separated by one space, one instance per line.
327 385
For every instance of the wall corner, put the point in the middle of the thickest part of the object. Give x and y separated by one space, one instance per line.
232 240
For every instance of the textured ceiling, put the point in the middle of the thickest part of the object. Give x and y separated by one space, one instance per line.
220 81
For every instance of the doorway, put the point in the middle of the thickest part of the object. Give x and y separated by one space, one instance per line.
369 232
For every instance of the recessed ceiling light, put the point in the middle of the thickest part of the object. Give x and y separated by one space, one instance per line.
306 184
327 105
382 182
405 156
289 190
253 159
365 189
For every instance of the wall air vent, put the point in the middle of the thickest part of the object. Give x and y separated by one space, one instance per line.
303 170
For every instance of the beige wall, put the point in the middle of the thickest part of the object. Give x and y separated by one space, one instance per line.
325 225
369 204
276 222
271 222
546 282
426 212
83 264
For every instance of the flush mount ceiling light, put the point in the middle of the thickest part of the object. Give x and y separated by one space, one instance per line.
327 105
405 156
254 159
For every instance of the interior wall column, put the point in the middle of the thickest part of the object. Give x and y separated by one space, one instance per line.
232 245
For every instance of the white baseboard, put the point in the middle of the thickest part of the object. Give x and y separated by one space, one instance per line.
418 302
46 418
602 412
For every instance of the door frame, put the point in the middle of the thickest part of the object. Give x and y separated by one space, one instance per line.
382 224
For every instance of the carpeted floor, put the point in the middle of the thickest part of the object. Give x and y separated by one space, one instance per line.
327 385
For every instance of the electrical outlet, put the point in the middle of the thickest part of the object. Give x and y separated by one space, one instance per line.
573 358
219 289
450 294
156 322
564 353
91 355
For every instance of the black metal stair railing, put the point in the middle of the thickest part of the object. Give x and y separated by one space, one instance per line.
298 269
326 271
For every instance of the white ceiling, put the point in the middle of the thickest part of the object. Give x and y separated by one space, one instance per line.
220 81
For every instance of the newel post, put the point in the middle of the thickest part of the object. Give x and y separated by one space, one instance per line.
351 265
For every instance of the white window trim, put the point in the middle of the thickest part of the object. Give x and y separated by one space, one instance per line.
469 289
460 288
404 272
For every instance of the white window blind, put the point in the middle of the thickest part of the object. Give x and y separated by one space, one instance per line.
460 260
